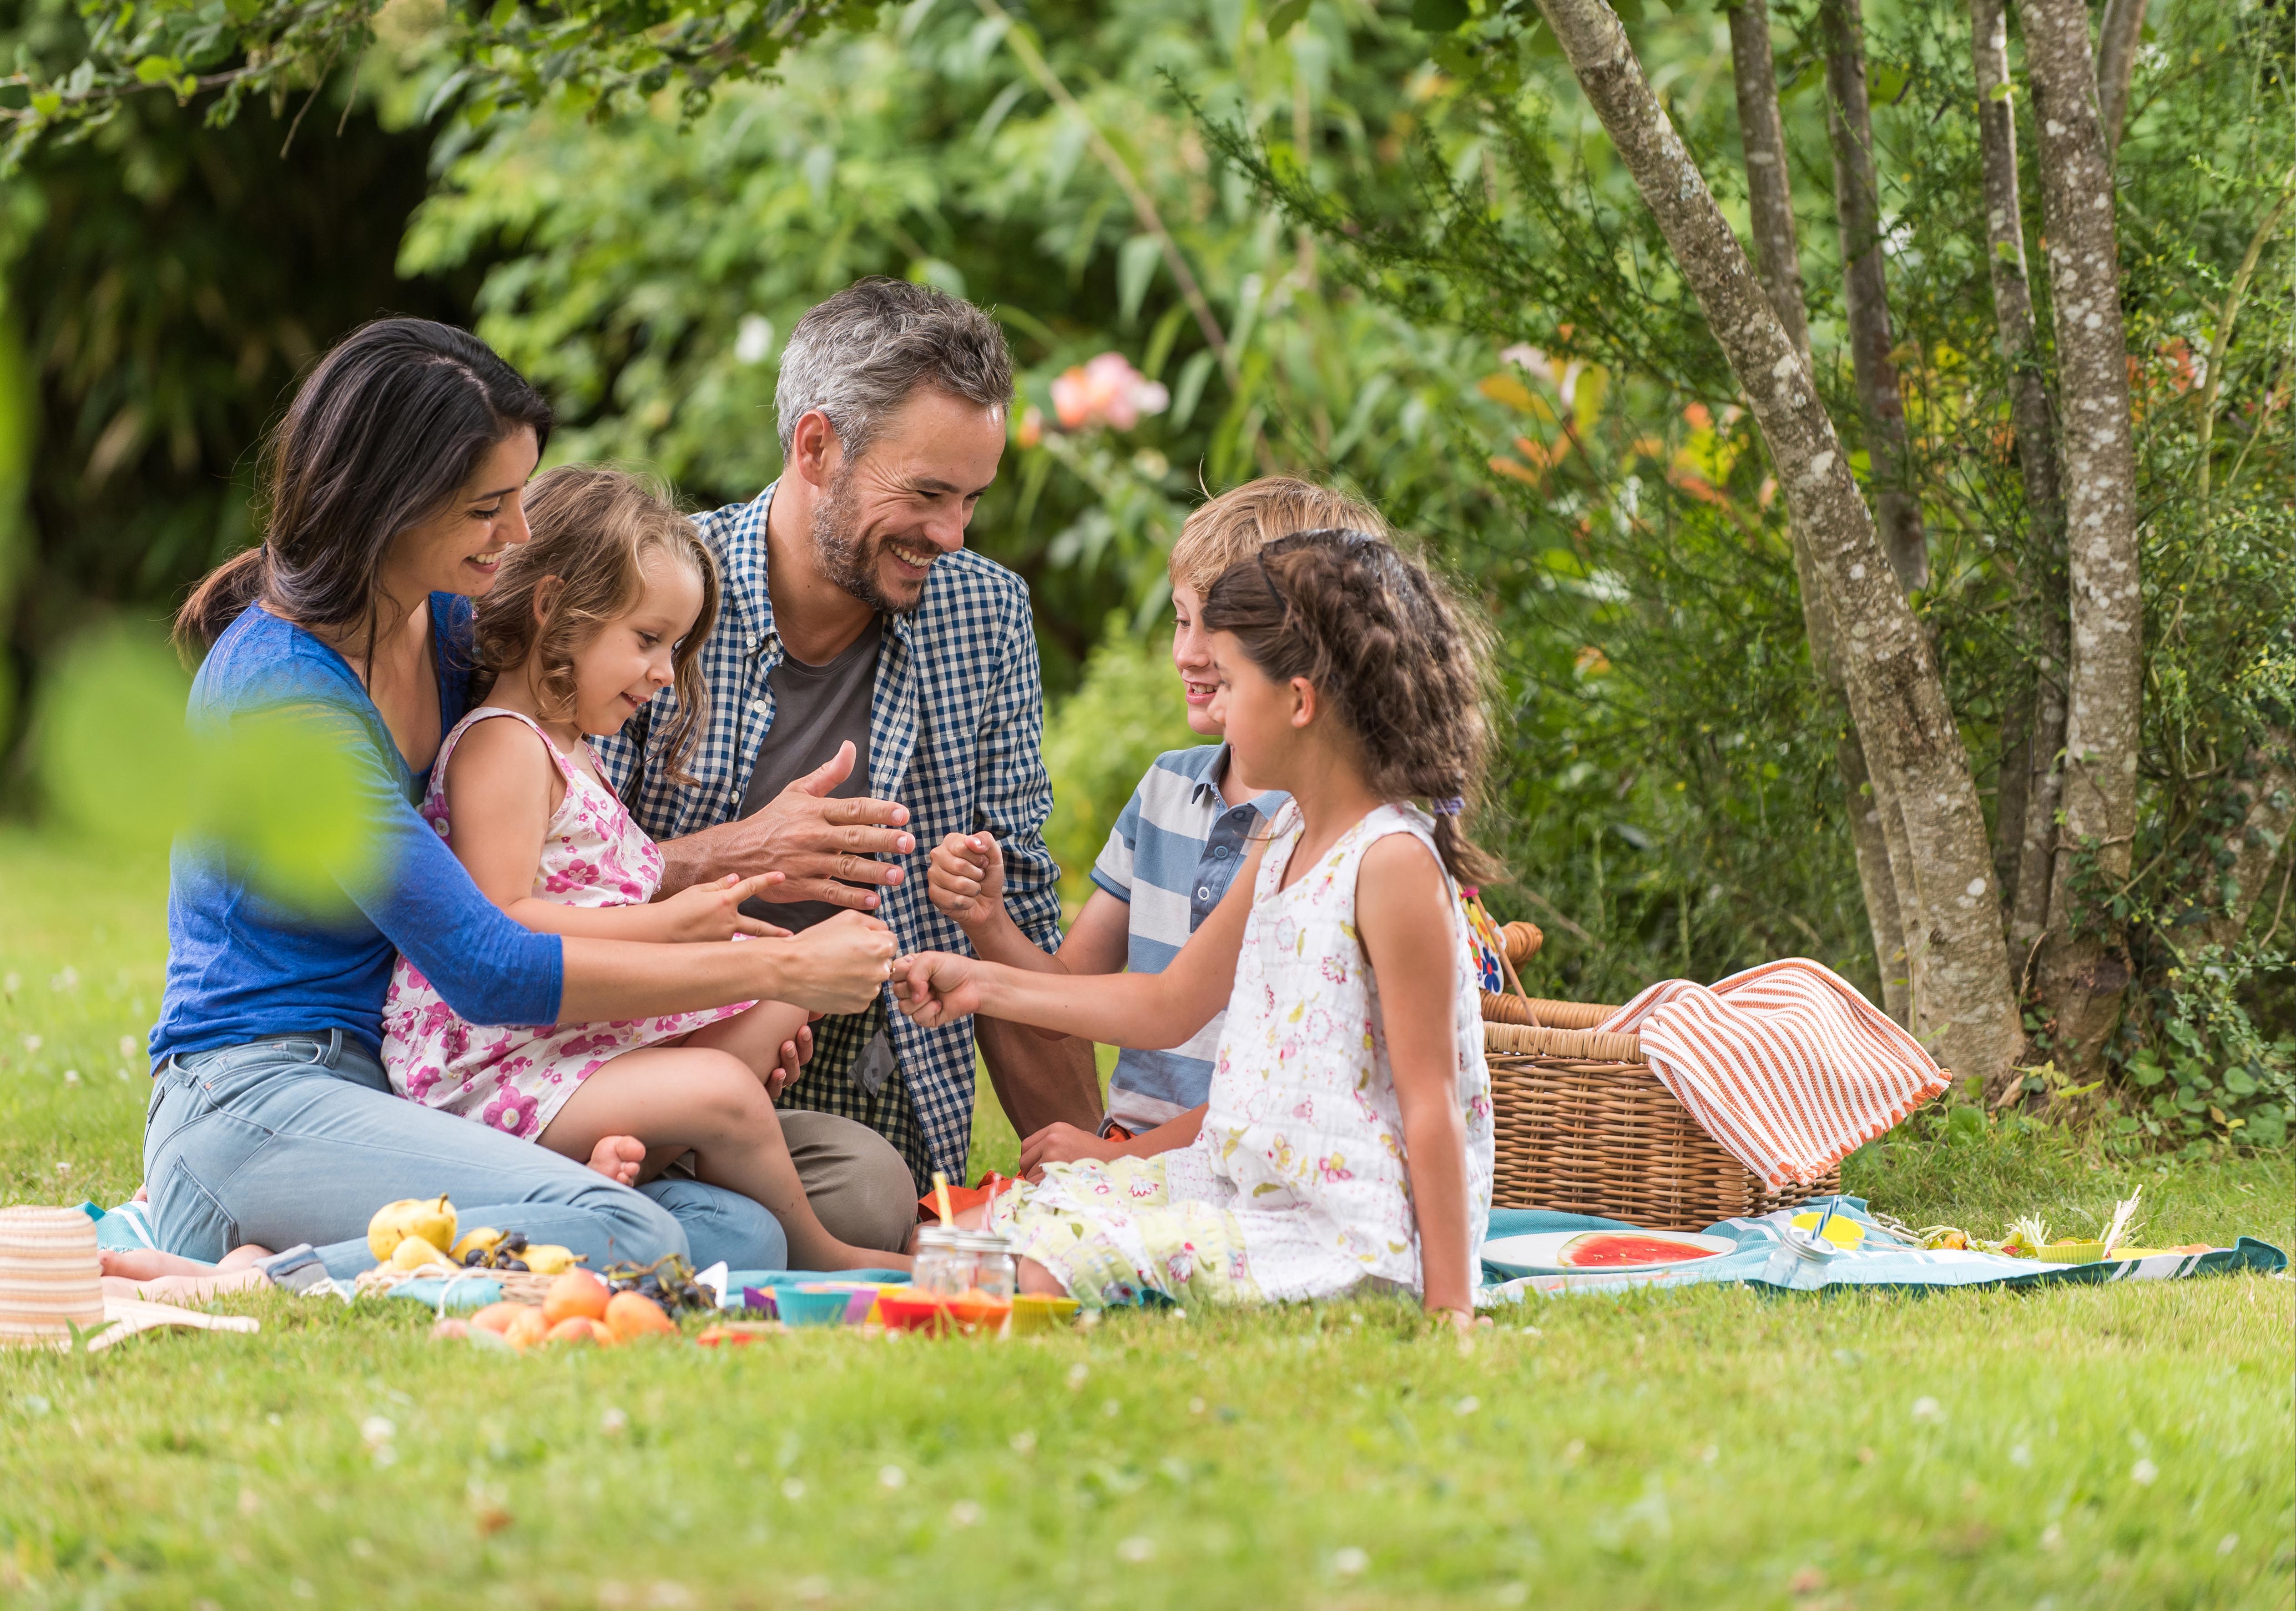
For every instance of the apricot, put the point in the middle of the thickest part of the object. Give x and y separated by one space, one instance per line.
633 1315
526 1328
573 1329
576 1293
496 1317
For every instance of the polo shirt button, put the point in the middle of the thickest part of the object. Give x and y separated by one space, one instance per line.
1204 893
757 708
1219 853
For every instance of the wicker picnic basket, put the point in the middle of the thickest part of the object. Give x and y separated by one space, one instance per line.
1583 1126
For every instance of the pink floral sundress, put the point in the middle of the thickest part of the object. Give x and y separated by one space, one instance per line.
515 1080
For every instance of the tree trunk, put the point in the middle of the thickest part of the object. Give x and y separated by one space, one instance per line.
2083 975
1865 292
1769 192
2119 33
1769 188
2025 813
1962 1000
1877 875
2271 791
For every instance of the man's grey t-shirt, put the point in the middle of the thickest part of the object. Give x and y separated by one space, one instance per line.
815 709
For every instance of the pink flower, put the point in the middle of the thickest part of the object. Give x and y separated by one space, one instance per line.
1106 390
418 1087
511 1113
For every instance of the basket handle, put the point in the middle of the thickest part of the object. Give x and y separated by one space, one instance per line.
1519 943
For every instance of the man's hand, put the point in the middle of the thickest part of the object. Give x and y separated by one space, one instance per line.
821 847
1063 1144
713 911
936 988
965 879
796 1051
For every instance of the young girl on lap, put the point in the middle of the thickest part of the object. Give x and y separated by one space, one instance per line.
605 607
1348 1142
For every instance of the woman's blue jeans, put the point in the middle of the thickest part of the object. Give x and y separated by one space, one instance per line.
299 1138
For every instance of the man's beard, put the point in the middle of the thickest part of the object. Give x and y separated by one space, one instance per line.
846 559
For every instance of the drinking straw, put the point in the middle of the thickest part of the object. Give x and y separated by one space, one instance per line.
941 1192
1832 1204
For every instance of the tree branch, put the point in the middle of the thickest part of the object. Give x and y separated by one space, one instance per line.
1143 209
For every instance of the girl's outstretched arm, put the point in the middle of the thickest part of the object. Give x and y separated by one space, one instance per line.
1149 1012
501 787
1403 912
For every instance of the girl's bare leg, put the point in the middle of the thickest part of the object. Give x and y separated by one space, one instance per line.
697 1099
766 1037
148 1263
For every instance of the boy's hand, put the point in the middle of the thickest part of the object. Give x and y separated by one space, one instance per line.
936 988
1063 1144
965 879
713 911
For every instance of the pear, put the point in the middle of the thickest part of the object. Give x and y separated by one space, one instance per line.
549 1259
431 1218
479 1239
413 1252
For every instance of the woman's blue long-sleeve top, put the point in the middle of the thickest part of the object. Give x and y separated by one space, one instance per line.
242 967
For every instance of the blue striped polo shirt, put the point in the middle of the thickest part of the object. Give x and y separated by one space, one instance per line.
1171 857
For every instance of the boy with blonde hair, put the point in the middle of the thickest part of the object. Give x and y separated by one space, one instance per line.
1174 850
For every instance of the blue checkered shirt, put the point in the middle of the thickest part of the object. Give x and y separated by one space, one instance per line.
955 729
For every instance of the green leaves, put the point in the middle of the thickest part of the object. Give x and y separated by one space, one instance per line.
1283 16
278 788
600 52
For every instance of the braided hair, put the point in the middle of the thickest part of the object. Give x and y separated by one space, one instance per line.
1404 666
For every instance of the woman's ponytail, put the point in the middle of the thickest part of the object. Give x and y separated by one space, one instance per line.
221 598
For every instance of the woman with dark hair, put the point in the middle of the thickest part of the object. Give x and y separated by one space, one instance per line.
393 488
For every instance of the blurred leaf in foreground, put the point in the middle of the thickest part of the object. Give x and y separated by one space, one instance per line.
280 788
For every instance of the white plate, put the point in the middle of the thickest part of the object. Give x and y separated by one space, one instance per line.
1542 1253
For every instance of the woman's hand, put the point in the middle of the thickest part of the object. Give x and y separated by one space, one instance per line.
835 965
936 988
965 879
713 911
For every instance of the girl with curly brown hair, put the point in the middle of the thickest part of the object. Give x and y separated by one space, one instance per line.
1348 1142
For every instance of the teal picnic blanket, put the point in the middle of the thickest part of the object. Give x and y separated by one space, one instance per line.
1881 1262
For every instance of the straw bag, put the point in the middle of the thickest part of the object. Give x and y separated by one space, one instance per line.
1581 1124
51 1281
49 1277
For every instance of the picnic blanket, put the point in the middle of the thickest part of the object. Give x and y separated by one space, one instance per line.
1880 1261
1785 1064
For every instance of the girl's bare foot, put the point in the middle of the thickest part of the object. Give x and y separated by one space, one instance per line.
619 1159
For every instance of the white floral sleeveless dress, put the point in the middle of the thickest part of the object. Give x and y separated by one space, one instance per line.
1296 1187
515 1080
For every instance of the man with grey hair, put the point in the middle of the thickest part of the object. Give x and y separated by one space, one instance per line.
873 686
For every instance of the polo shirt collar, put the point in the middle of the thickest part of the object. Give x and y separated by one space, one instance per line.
1206 791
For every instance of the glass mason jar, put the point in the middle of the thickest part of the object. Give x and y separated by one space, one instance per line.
943 1267
991 1267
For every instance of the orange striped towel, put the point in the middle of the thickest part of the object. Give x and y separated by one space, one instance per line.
1785 1064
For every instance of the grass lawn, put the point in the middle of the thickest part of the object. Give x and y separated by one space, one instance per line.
2123 1445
